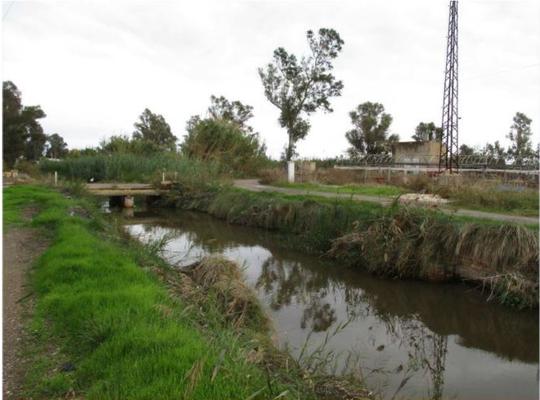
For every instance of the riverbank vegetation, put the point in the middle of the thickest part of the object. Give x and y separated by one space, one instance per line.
104 328
396 242
314 221
413 244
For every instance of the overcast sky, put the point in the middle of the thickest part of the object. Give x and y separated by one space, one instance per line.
94 66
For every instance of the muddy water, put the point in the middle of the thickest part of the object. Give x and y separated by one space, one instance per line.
407 339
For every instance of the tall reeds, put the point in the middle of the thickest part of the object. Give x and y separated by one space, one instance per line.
133 167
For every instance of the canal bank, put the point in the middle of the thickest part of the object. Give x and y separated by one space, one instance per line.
418 339
397 242
109 323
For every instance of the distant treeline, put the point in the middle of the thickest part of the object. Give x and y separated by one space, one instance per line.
297 86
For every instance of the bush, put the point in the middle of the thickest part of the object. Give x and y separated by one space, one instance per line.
224 142
270 176
27 167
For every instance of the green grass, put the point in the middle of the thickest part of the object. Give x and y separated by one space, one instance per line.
17 198
371 190
523 203
105 314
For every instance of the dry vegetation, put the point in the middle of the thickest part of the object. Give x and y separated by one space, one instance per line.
223 280
411 244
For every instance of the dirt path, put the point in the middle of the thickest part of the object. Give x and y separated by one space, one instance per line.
255 186
21 247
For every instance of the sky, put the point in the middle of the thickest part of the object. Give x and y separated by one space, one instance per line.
95 66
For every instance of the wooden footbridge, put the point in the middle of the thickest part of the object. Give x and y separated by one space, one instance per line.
123 193
127 189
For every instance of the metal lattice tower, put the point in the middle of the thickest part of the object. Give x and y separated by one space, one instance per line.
448 160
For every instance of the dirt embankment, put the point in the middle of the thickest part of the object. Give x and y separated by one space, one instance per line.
22 246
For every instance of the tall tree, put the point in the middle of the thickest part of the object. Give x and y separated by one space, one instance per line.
370 129
35 137
427 131
465 150
22 133
56 146
153 128
298 88
520 136
234 111
494 150
13 133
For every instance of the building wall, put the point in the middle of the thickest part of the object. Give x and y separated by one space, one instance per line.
417 152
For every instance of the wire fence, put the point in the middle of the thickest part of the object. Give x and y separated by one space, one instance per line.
473 162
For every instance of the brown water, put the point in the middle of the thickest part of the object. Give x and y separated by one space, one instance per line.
418 339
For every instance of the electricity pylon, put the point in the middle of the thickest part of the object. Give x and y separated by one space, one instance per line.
448 159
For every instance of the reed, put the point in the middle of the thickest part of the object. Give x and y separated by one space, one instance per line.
125 167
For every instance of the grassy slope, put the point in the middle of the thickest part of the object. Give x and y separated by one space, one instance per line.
103 312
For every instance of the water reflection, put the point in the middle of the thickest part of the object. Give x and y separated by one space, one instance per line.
412 338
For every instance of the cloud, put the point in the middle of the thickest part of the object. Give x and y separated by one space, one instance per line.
94 67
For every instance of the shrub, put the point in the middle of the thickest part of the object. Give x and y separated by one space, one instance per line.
27 167
269 176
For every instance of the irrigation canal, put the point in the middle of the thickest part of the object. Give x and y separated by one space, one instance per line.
418 339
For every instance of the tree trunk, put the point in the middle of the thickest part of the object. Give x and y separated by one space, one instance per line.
290 148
